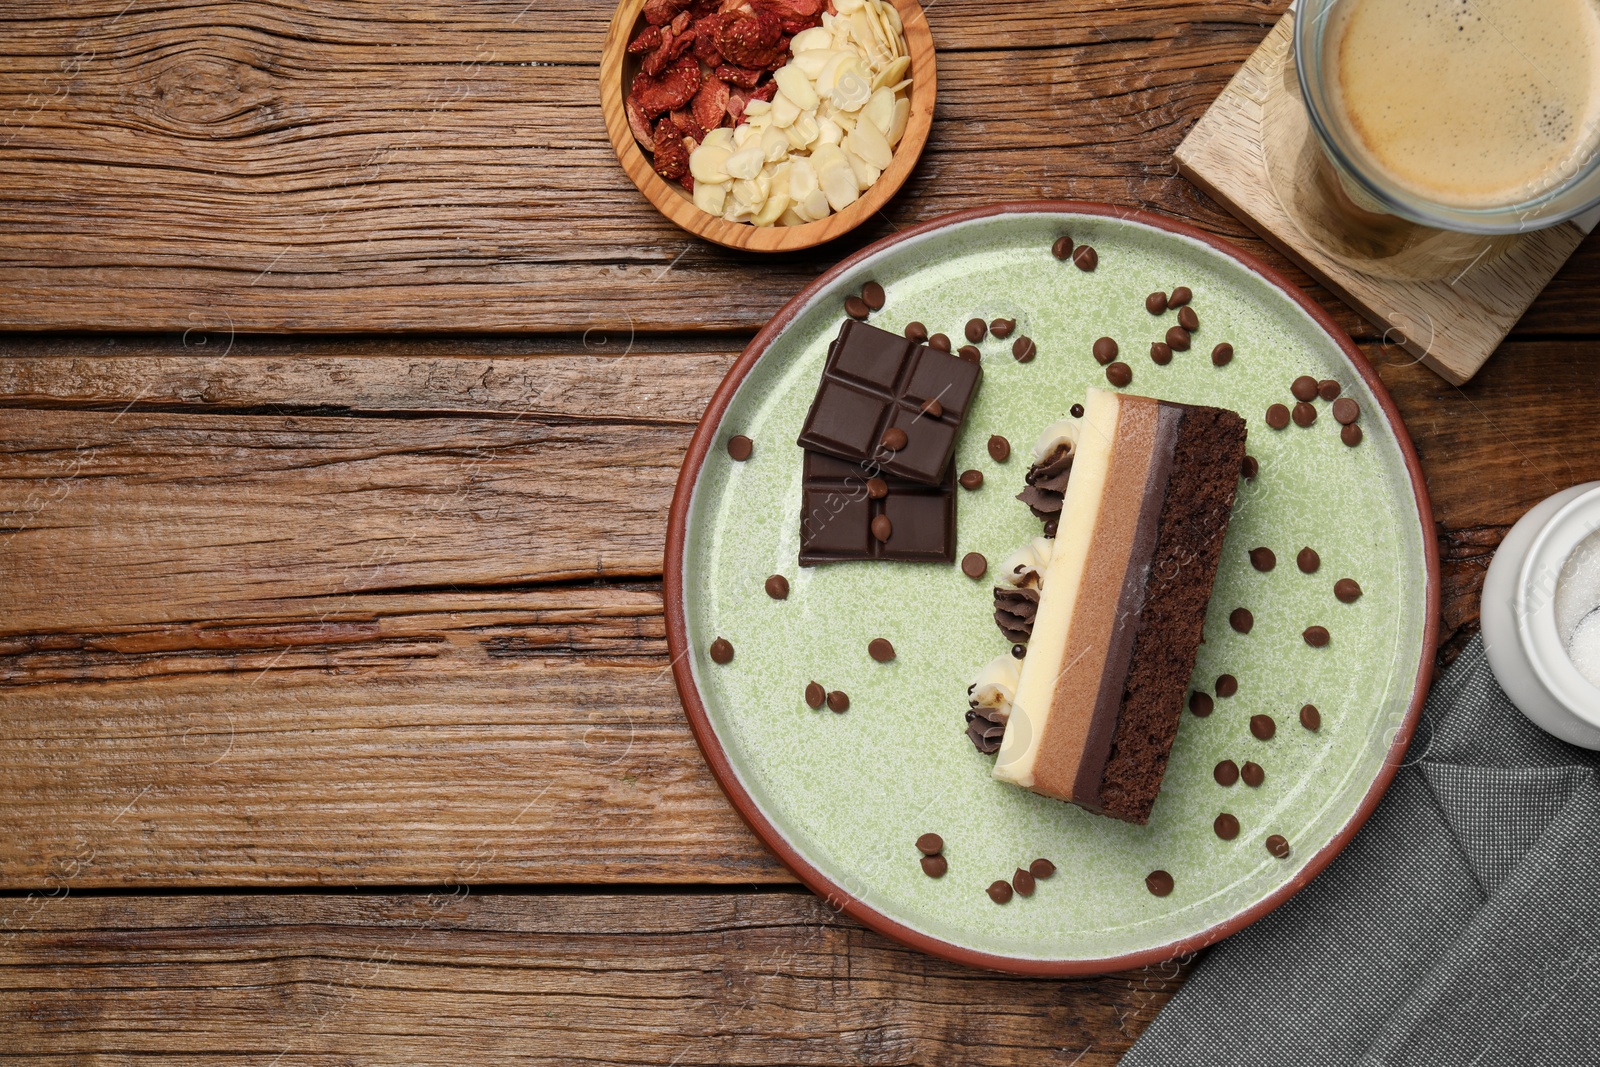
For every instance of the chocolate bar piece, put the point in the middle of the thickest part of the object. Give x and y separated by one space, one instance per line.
838 511
875 382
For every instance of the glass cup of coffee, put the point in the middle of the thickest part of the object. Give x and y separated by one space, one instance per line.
1473 116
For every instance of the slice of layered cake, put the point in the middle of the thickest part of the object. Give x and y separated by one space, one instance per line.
1123 602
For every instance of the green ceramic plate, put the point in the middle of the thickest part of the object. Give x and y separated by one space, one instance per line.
842 798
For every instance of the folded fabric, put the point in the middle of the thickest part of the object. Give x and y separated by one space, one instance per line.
1460 927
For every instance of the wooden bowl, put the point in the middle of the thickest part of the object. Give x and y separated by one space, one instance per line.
617 69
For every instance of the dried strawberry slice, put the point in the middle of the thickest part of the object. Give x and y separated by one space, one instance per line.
680 23
671 158
737 99
705 40
748 40
765 92
661 12
710 105
674 88
743 77
647 40
639 125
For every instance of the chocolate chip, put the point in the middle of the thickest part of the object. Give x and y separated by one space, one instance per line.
1311 718
1346 411
1158 882
939 341
1226 772
1249 467
1253 775
977 329
1263 727
1226 826
1024 349
971 479
1160 353
932 408
880 649
838 702
1022 882
872 296
1316 636
740 447
722 650
930 844
1241 620
1119 374
1062 249
1304 387
1085 258
1304 414
1000 892
1050 528
778 587
1002 328
856 307
882 528
1227 685
973 565
1278 846
1041 869
917 332
877 488
894 439
1347 590
1180 296
1188 319
1076 411
1350 435
1201 703
935 866
1018 651
1328 389
1156 303
1277 416
1178 339
1105 350
1222 355
970 353
999 449
1263 559
1308 560
815 695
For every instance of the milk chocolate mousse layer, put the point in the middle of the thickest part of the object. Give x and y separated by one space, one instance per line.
1119 620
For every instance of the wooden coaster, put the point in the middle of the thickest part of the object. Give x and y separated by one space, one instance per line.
1449 299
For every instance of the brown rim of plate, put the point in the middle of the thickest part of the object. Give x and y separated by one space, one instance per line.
702 445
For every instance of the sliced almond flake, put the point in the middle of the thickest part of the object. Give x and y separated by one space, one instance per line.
891 73
866 141
902 116
775 206
816 204
880 111
710 197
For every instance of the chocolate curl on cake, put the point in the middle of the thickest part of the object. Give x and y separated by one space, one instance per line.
1014 610
989 702
985 730
1052 468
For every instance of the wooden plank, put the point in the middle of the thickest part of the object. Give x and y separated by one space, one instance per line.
450 977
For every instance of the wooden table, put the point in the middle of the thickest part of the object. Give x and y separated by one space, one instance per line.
346 384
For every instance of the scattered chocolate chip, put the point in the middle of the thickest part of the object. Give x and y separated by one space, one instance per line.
1002 328
1201 703
1308 560
740 447
1119 374
1156 303
977 330
880 649
1178 339
1076 411
1160 353
1346 411
856 307
1263 559
1278 845
1024 349
722 650
1250 467
877 488
1062 249
1328 389
882 528
872 296
999 449
935 866
1241 620
970 353
1227 685
939 341
1105 350
1226 826
1041 869
932 408
930 844
1188 319
1180 296
1311 718
815 695
838 702
1253 775
917 332
1022 882
1085 258
1277 416
971 479
1347 590
894 439
778 587
1000 892
1304 414
1316 636
1158 882
1226 772
1350 435
1304 387
1222 355
1263 727
1018 651
973 565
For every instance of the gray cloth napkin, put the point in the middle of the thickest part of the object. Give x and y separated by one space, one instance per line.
1460 927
